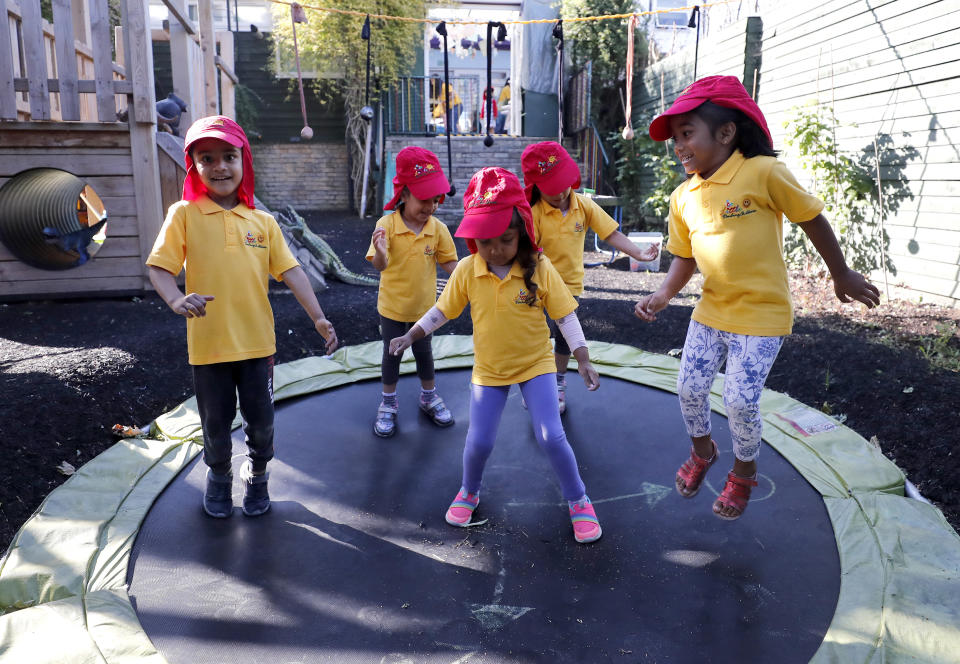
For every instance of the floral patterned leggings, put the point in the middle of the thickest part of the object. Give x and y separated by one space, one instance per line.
749 360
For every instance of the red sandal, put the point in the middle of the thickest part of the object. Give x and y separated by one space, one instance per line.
692 472
735 494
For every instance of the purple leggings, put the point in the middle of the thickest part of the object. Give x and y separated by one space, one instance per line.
486 407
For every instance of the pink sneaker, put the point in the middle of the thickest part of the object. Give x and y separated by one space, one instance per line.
586 526
461 509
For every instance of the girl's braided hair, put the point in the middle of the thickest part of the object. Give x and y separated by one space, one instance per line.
527 257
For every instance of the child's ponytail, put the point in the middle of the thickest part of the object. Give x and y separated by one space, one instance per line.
527 256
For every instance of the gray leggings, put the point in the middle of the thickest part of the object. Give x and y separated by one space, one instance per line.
422 352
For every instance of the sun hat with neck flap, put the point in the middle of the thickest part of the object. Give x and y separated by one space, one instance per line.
550 167
224 129
418 169
726 91
488 204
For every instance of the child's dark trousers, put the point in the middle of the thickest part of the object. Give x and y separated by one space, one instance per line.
218 386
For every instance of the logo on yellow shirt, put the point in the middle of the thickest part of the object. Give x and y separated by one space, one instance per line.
429 251
733 210
578 227
256 241
524 297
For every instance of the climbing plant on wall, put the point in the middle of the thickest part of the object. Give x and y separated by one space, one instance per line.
331 43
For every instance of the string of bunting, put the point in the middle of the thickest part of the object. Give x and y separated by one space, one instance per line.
409 19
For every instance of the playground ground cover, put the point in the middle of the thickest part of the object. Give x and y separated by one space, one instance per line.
70 370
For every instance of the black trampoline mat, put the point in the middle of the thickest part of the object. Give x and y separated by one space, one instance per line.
355 563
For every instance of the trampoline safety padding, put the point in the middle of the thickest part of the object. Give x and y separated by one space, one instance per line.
354 563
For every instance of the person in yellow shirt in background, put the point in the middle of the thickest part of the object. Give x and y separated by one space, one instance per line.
456 107
406 247
230 250
509 285
561 219
727 220
504 103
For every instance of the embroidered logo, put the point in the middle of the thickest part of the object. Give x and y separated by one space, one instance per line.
546 166
419 170
523 297
488 197
216 122
428 251
578 227
733 210
255 241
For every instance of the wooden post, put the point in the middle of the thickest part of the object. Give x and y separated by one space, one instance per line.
142 121
227 83
36 61
81 22
208 50
66 60
102 60
8 96
182 62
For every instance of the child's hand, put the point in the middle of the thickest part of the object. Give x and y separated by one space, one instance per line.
325 328
380 240
590 376
400 344
193 305
649 254
851 285
648 307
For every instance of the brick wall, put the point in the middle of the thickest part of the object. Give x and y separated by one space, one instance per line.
308 176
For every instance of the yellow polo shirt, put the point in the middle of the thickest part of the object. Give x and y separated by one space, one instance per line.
732 224
561 237
511 341
408 287
229 254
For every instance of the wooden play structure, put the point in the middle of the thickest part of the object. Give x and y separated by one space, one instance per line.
78 96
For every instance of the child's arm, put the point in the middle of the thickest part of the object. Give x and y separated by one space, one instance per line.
681 269
621 242
380 247
192 305
849 285
572 331
430 321
296 279
448 266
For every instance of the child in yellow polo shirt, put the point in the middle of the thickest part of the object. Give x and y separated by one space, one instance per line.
727 220
230 250
561 219
406 248
509 285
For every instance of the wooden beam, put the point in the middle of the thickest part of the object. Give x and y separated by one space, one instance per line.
228 79
36 60
208 49
84 86
225 68
177 10
102 60
183 67
66 60
8 98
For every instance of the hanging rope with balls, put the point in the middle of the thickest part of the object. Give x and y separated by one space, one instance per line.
298 15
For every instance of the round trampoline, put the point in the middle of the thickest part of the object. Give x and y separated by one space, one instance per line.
355 563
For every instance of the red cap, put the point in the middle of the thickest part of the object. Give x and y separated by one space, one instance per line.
488 204
418 170
225 129
726 91
550 167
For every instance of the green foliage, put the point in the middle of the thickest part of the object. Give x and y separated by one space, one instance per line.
647 173
847 188
604 45
330 44
942 349
248 105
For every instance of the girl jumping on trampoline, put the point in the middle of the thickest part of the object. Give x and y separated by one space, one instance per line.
230 250
509 285
406 247
561 219
727 220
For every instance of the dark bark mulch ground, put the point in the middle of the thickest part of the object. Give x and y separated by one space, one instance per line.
70 370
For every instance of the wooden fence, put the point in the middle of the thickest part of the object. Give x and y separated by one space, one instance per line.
890 69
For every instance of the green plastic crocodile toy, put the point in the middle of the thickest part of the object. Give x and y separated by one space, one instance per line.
321 250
